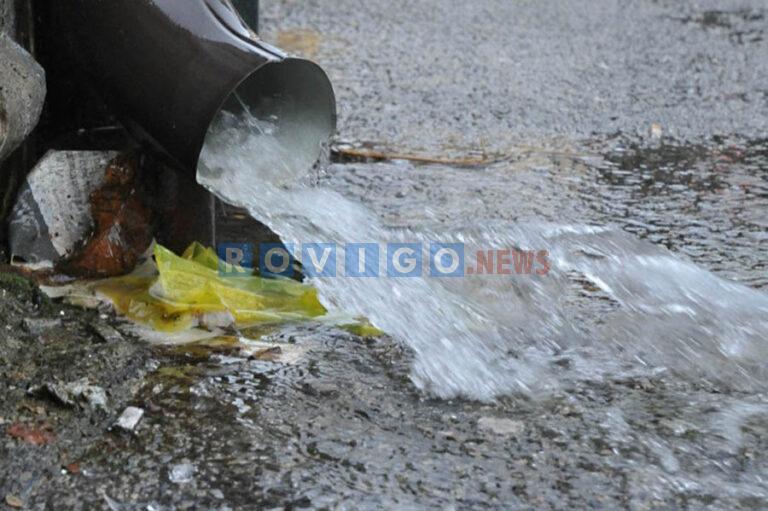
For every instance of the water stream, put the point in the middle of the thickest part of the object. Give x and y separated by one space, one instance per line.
482 336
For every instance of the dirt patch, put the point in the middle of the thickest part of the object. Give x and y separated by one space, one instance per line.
302 41
45 343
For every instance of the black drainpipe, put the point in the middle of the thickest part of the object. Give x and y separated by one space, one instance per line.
249 11
136 56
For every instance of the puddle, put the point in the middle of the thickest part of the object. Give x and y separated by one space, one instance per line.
709 204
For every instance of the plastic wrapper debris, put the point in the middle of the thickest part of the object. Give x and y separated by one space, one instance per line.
189 291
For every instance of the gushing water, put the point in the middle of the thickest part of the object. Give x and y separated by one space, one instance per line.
483 336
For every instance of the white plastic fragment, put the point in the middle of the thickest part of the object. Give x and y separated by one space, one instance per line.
182 473
130 418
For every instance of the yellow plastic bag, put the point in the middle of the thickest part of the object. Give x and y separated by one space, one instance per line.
183 292
189 290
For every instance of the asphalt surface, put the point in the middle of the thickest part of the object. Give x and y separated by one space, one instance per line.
484 75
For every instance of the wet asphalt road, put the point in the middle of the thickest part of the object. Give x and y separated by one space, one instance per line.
567 95
439 75
333 421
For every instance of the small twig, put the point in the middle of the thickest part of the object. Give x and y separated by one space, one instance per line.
377 155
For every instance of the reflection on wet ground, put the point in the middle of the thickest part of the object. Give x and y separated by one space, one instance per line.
706 203
710 204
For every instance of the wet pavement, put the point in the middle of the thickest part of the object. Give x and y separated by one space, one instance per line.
705 202
485 75
331 420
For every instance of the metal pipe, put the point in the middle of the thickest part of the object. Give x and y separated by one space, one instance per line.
166 67
249 11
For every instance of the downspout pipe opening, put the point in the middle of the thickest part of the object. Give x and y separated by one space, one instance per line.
295 99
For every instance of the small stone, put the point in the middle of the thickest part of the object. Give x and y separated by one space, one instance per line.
656 131
130 418
501 426
107 333
36 326
72 394
14 501
182 473
448 435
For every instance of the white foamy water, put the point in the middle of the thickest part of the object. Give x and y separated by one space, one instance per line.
483 336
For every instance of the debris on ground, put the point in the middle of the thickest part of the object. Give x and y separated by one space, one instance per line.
189 291
14 501
51 217
184 292
182 473
35 435
72 468
83 212
346 152
130 418
37 326
184 299
106 332
242 347
73 394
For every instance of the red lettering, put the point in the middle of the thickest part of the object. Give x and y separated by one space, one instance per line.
542 257
484 262
523 261
502 262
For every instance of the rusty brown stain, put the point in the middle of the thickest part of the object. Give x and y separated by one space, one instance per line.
35 435
123 224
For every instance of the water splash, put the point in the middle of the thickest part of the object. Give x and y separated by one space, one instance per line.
487 335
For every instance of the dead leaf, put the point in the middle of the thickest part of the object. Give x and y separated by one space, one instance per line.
39 435
353 154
